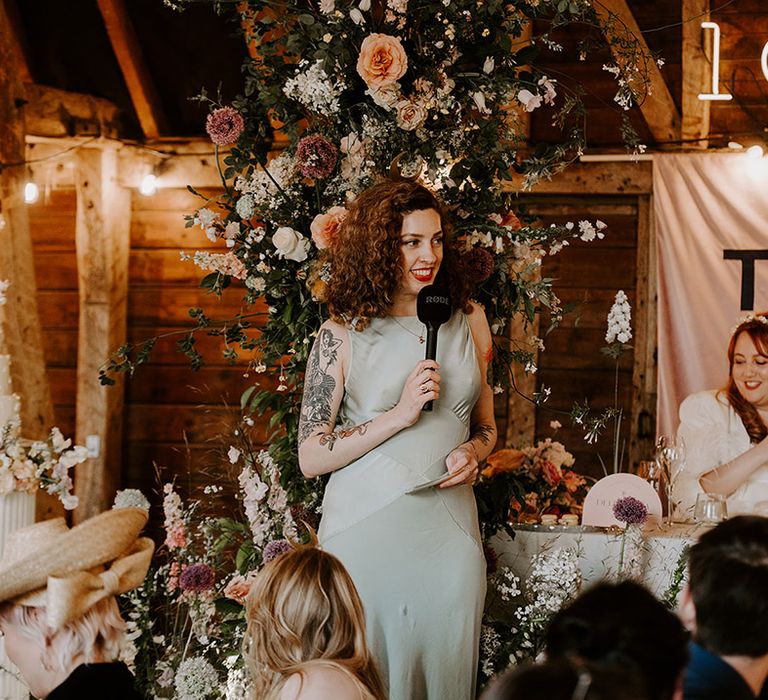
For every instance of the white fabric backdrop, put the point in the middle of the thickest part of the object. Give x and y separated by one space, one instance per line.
704 204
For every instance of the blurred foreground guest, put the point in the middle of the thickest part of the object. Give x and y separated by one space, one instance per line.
725 604
58 611
306 632
623 627
560 680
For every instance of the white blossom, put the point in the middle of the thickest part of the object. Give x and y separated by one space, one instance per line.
313 88
529 100
619 318
195 679
131 498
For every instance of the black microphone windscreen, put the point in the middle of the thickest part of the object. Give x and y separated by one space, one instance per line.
433 306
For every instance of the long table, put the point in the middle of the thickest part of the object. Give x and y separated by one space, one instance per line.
652 556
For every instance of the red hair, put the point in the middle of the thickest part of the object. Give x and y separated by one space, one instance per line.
757 330
366 254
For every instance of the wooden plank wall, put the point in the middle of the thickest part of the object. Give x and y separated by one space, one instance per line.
586 275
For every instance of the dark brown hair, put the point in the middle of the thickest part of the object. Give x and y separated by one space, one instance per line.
366 256
758 331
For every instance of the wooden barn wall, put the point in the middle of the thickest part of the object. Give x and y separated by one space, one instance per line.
176 417
587 277
52 227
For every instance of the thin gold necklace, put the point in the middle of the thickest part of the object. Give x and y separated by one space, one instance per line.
420 336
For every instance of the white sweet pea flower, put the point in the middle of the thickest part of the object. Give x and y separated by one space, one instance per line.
489 64
479 99
529 100
549 90
290 244
356 16
365 5
233 455
327 6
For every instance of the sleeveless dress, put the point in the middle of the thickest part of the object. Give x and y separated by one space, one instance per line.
417 559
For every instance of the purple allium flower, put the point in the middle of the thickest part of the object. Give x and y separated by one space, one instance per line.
274 549
197 578
629 510
478 264
316 156
224 125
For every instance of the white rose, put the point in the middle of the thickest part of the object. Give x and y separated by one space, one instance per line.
290 244
386 96
411 114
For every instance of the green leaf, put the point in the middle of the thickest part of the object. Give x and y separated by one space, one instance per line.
247 395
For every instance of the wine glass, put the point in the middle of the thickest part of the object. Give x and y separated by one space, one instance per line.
670 456
650 470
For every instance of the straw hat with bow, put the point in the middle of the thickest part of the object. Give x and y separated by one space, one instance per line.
68 570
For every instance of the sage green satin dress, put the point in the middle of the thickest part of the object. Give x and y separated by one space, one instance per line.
417 560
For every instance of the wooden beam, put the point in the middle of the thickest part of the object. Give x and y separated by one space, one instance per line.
643 412
102 236
137 77
658 108
18 40
594 178
57 113
23 333
696 67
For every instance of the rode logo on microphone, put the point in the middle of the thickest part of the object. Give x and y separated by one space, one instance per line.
435 299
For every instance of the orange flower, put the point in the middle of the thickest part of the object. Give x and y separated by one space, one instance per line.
503 461
382 60
325 226
511 221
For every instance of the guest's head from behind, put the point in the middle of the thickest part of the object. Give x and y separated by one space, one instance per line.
57 599
305 617
726 599
747 387
394 240
624 627
563 680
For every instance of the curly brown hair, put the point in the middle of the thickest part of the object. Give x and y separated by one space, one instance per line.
758 331
366 255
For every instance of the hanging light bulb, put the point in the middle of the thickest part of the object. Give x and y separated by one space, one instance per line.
31 192
755 152
148 185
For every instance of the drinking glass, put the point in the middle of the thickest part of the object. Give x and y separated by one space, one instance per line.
670 456
710 508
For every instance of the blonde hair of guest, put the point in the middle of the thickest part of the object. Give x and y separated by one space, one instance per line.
303 612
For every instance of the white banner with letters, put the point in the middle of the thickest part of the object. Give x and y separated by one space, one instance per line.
711 214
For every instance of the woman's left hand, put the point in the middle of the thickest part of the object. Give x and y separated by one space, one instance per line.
462 464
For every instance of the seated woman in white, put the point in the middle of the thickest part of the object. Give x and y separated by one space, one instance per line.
725 431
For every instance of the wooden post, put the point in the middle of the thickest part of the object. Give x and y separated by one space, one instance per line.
23 334
696 69
643 420
102 239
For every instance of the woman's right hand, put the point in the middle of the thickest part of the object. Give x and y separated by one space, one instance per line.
422 385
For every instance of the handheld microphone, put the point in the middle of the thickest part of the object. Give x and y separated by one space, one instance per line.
433 307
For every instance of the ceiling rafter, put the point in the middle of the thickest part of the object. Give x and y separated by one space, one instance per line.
18 40
658 109
141 88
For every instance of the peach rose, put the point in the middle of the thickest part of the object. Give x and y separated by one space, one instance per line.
573 481
411 114
239 587
382 60
551 473
325 226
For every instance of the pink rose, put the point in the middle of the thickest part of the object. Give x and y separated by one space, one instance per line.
382 60
411 114
325 226
552 474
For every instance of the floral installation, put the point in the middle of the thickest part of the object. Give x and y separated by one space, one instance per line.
187 622
28 465
524 484
617 336
633 513
517 613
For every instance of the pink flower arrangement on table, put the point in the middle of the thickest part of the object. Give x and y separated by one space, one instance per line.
545 476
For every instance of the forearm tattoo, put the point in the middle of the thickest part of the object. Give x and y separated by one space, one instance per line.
341 433
484 433
319 385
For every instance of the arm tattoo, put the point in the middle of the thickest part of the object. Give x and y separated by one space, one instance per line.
483 433
319 385
330 440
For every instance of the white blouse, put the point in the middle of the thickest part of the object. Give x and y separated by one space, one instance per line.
713 435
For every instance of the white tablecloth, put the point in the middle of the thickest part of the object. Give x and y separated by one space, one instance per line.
654 557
